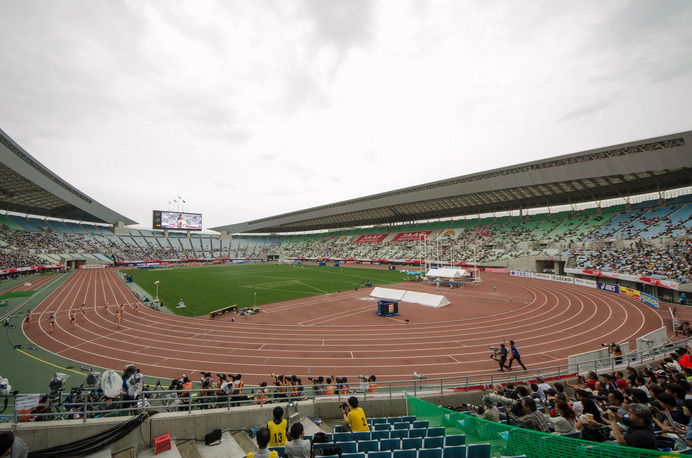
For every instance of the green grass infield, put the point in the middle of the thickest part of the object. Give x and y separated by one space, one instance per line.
207 288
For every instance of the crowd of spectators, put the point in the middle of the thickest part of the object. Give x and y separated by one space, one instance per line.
647 408
673 263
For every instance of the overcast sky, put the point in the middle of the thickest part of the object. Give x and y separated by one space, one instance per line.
249 109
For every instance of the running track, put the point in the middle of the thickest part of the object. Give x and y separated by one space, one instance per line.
339 334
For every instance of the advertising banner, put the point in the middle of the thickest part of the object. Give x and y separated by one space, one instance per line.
630 292
609 287
668 284
587 283
411 236
562 279
648 299
370 238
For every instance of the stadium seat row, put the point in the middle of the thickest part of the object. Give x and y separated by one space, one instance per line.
457 451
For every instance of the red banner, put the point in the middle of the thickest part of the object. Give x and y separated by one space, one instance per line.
32 268
411 236
370 238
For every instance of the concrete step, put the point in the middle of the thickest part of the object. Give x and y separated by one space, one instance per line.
228 448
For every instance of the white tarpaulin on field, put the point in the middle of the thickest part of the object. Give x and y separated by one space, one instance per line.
429 300
448 272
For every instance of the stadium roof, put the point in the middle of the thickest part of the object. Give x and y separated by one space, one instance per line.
27 186
645 166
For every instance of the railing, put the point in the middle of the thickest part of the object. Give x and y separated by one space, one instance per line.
86 403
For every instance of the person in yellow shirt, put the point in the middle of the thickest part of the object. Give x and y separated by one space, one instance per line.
354 416
278 428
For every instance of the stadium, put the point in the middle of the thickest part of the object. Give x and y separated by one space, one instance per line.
568 256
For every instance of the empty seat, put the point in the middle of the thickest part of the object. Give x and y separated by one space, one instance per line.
405 454
433 442
434 432
342 437
347 447
414 442
392 420
454 451
361 436
380 454
383 427
353 455
418 432
478 451
410 418
455 439
430 453
339 428
402 425
377 421
390 444
399 434
379 435
369 446
421 424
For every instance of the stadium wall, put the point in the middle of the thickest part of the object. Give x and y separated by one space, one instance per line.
198 423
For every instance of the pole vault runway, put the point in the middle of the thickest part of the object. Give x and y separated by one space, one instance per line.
340 334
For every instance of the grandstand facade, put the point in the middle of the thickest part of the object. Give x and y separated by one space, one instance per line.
486 219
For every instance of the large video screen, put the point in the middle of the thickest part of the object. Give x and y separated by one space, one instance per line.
177 220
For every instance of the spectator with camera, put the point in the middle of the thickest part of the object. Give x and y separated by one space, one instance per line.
565 420
639 432
532 418
354 416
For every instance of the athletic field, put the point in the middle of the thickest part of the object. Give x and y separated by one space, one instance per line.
208 288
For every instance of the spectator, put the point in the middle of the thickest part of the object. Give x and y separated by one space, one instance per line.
278 428
532 418
263 435
566 420
491 412
297 447
640 433
354 416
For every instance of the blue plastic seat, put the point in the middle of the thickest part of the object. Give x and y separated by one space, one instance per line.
455 439
402 425
415 442
361 436
380 454
435 432
392 420
433 442
421 424
377 421
390 444
399 434
478 451
430 453
405 454
352 455
454 451
379 435
410 418
347 447
383 427
418 432
369 446
342 437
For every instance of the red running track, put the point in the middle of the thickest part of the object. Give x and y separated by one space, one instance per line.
340 334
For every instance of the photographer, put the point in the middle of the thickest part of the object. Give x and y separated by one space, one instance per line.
354 416
491 412
500 355
639 433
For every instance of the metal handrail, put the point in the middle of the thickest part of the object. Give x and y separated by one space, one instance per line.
63 405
